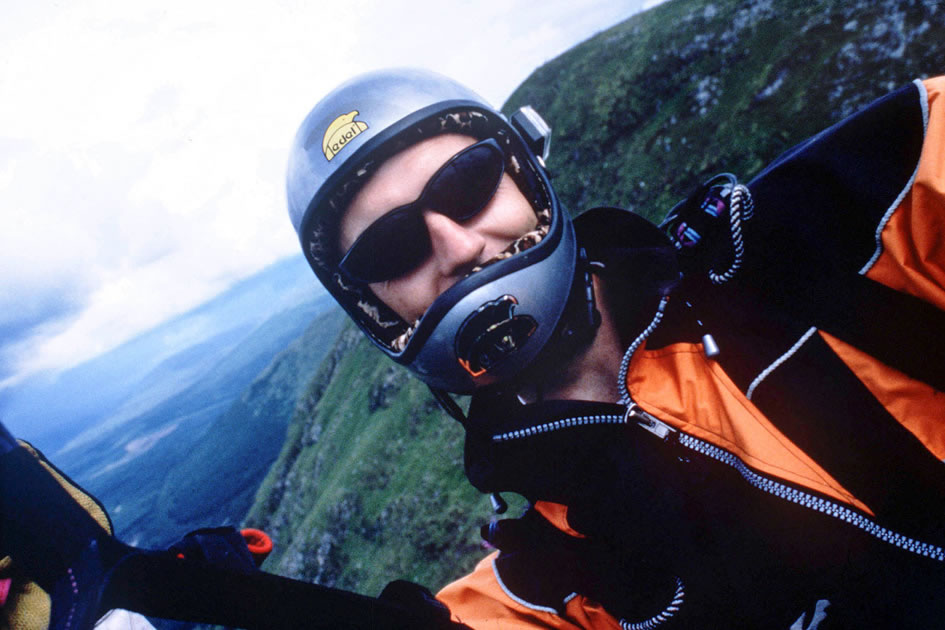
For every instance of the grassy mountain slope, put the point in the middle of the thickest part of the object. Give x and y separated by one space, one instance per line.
368 486
646 110
240 445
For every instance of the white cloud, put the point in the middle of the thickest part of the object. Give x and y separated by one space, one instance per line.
649 4
144 144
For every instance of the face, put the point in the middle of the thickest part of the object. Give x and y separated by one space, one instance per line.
457 247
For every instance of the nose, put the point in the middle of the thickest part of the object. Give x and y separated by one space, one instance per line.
456 248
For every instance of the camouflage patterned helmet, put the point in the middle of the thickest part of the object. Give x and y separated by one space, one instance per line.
491 324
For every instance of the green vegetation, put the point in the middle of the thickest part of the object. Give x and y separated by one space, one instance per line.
369 486
645 111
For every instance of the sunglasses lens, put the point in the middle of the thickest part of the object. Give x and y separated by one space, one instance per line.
466 184
390 247
399 241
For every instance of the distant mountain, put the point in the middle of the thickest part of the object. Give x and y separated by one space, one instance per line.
134 377
175 429
197 459
368 486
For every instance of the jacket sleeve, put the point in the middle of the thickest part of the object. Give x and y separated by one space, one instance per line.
909 258
481 601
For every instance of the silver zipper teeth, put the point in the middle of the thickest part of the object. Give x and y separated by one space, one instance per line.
658 620
565 423
757 480
814 503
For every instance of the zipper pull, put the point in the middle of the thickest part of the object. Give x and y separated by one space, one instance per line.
710 347
649 422
499 506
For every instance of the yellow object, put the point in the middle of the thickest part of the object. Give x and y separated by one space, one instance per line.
28 606
341 131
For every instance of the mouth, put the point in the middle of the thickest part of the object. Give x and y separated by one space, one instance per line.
524 242
521 244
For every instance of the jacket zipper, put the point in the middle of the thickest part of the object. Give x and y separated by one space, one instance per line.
783 491
564 423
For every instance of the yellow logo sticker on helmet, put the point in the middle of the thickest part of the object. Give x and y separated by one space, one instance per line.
340 132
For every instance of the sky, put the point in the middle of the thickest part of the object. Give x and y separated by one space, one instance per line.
143 144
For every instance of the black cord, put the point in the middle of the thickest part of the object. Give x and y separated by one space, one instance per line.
449 405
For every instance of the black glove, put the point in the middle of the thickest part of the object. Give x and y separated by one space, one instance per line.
430 611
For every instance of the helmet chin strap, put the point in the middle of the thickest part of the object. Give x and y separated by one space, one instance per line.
449 405
581 318
575 332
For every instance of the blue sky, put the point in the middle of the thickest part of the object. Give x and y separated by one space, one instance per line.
143 144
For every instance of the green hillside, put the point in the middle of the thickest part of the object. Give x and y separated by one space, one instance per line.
646 110
369 484
241 443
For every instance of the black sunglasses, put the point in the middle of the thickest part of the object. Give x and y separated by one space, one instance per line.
399 241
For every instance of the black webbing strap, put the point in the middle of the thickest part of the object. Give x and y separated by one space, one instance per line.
87 572
161 585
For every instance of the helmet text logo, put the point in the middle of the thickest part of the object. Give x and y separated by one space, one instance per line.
340 132
491 334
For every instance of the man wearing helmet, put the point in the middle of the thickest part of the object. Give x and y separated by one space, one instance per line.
456 247
780 483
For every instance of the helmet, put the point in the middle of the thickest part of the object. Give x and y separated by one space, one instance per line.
488 327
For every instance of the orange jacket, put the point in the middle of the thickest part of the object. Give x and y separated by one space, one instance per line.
777 409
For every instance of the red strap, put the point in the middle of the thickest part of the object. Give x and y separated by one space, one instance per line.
258 542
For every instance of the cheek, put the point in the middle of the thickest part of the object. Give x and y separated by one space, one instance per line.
407 296
509 215
528 220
